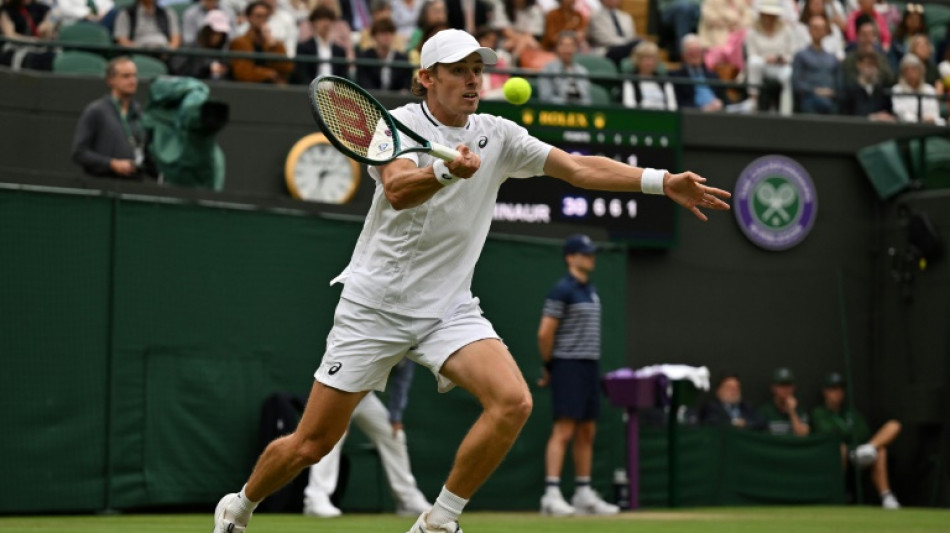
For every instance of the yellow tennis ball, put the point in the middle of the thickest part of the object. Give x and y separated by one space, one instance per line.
517 90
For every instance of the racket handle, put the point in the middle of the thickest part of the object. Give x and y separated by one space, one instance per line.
443 152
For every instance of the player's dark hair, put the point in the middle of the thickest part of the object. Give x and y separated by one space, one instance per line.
322 12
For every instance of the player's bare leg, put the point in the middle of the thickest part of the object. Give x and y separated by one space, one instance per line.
486 369
552 501
324 421
583 448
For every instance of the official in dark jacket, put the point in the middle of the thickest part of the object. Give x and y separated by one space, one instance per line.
380 77
320 46
728 408
110 141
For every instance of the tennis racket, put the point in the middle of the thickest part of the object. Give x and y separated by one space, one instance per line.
360 127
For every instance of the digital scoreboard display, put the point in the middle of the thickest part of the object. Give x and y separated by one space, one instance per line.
546 206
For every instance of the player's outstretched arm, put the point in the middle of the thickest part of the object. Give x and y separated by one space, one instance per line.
600 173
407 185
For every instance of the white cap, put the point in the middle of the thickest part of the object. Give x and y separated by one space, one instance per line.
771 7
450 46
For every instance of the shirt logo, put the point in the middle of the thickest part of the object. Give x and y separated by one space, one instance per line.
776 202
335 368
482 142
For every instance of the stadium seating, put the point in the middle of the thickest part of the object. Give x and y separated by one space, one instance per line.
599 95
596 65
149 67
82 63
85 33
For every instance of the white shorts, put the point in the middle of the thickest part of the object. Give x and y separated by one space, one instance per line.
365 343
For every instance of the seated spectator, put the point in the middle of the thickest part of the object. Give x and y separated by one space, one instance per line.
493 82
26 21
521 23
321 46
815 73
212 35
770 46
848 425
913 99
914 22
920 46
258 39
612 32
193 19
566 89
697 95
431 15
728 408
147 25
110 141
722 29
833 42
868 95
283 26
380 10
356 14
783 415
648 94
833 9
69 12
678 18
468 15
564 18
867 45
386 78
405 13
865 11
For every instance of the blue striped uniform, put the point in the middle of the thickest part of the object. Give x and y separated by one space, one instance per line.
575 373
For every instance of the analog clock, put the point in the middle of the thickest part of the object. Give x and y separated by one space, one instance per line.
316 171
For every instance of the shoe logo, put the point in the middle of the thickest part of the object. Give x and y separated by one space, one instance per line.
230 528
335 368
421 530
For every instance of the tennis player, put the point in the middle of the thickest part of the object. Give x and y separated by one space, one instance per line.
407 288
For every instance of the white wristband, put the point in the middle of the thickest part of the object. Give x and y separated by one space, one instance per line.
651 181
442 173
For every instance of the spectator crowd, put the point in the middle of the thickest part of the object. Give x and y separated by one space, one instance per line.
866 58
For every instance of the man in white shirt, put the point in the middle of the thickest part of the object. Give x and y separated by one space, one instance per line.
407 289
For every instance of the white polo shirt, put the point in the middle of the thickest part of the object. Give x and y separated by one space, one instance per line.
419 262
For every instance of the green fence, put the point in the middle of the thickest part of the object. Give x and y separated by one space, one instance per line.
140 337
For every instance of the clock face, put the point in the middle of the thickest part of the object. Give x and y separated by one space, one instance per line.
318 172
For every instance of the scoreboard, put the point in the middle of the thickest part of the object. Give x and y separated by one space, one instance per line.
545 206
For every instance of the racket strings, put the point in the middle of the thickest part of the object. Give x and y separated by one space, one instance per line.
349 116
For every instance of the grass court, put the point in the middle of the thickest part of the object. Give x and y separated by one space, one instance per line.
711 520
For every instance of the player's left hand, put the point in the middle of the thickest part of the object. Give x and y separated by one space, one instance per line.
688 190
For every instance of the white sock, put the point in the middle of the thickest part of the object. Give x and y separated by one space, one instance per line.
552 486
242 506
447 508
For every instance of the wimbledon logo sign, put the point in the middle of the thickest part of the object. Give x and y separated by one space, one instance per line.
775 202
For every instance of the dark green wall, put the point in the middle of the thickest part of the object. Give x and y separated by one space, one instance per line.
140 338
714 299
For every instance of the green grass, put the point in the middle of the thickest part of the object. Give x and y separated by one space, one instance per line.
712 520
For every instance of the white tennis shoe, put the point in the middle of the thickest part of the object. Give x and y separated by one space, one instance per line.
223 521
320 506
422 527
553 504
588 502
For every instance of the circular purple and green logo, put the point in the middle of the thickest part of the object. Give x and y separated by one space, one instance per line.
775 202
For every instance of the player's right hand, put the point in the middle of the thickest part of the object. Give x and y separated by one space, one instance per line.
466 164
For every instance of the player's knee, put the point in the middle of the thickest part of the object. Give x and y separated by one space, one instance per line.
516 409
309 450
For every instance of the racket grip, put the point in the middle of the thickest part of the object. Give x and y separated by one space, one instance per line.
443 152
